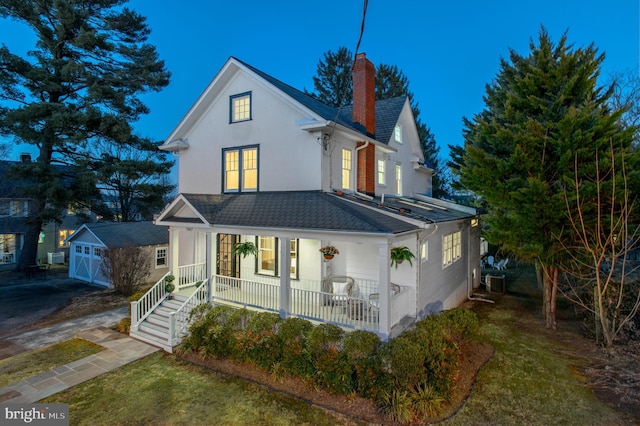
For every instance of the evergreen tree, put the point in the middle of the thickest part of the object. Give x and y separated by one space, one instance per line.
544 116
131 180
81 83
333 86
333 83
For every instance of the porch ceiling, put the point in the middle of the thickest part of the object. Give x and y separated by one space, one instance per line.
312 210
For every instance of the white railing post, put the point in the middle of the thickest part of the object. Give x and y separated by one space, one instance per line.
172 328
134 316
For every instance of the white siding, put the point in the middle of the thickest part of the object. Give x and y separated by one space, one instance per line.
289 158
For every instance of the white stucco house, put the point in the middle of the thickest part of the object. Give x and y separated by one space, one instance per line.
89 241
262 162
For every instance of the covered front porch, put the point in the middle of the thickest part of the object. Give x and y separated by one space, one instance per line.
356 306
287 273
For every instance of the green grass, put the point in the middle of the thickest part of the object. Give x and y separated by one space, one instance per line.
25 365
162 390
532 379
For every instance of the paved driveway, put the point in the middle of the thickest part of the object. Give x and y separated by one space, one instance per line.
24 302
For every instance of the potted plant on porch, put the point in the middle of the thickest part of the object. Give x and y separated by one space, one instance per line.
245 248
400 254
169 286
329 251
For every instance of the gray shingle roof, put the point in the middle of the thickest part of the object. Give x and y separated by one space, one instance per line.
387 110
310 210
129 234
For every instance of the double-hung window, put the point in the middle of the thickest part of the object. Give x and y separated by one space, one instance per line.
346 168
451 248
240 169
381 170
161 257
397 133
240 107
269 257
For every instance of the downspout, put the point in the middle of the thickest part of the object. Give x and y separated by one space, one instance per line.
469 281
358 148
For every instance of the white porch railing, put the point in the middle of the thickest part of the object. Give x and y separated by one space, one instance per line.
144 306
245 292
179 320
188 275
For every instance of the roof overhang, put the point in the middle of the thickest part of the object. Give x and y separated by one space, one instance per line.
175 145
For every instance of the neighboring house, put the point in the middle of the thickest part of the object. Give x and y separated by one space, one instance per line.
14 210
260 161
91 239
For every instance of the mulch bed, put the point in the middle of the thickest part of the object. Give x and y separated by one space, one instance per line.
349 408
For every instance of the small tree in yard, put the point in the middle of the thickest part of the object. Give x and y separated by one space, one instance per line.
127 268
605 281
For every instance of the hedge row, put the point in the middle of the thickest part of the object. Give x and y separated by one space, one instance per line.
409 377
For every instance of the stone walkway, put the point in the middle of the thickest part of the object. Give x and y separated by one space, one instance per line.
119 350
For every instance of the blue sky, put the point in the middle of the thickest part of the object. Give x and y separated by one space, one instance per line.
448 50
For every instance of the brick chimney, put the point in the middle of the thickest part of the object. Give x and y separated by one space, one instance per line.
364 93
364 113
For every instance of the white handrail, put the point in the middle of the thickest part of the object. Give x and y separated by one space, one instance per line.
143 307
179 319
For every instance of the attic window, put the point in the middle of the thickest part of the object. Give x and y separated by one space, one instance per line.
240 107
397 133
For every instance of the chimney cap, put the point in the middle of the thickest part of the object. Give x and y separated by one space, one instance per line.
25 157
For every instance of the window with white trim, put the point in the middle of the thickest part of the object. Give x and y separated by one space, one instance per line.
161 257
240 169
346 168
269 257
451 248
240 107
381 171
397 133
398 179
424 252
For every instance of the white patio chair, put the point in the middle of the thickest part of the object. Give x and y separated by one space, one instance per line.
490 262
342 288
502 265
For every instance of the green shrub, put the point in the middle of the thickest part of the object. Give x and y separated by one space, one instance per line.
397 406
261 345
458 323
426 401
293 336
209 335
403 361
331 367
361 347
441 355
324 337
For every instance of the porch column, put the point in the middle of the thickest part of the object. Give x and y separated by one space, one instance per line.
174 261
384 274
285 277
208 263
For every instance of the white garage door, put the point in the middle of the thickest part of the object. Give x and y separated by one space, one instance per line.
86 262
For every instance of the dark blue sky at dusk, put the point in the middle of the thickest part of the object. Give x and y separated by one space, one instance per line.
448 50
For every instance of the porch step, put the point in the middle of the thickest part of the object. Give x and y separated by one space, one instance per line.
152 340
161 331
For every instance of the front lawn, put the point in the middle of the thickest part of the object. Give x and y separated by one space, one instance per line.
162 390
25 365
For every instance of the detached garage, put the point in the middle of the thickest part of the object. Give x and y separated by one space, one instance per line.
87 244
